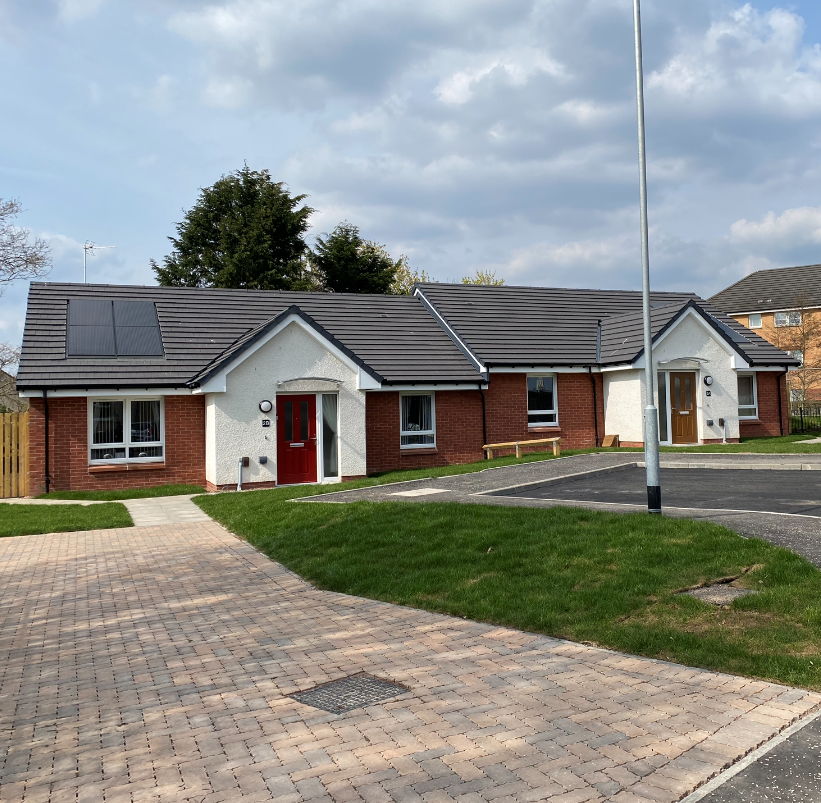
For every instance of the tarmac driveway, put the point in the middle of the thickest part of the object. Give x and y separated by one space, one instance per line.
795 492
156 663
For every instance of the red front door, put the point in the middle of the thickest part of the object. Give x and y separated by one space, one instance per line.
296 439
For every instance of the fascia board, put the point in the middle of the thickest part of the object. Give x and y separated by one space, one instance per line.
218 383
690 311
435 386
548 369
112 391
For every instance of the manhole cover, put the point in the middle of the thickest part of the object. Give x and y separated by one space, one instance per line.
719 594
346 694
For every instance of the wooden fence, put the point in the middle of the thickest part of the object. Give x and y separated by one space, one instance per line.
14 455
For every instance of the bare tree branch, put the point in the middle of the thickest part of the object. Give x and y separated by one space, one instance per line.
20 256
10 402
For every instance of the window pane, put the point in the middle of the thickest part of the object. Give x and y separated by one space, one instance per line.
303 420
780 318
540 394
145 421
107 454
755 321
417 414
289 421
329 436
746 397
417 440
145 451
661 383
107 423
541 418
688 399
747 412
795 319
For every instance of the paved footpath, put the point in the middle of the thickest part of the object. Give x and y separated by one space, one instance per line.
155 663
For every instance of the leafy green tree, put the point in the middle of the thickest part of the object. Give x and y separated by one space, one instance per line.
343 262
484 277
407 277
246 231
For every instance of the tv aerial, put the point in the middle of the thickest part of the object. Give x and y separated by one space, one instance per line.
90 248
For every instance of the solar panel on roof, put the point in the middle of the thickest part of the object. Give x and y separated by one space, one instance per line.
102 327
139 341
91 341
89 312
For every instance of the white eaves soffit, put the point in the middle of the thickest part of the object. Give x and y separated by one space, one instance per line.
219 382
736 360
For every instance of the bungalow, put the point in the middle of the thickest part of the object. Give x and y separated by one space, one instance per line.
141 386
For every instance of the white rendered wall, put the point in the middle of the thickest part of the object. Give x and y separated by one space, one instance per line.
237 429
692 338
623 405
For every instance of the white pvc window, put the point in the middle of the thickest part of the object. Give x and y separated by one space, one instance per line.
754 321
747 396
417 420
788 319
541 401
125 430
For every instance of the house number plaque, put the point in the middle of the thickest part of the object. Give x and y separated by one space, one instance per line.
266 422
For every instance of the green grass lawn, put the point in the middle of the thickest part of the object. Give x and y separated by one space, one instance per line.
127 493
33 519
606 579
786 444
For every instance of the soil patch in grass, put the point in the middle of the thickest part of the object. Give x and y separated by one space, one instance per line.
601 578
126 493
34 519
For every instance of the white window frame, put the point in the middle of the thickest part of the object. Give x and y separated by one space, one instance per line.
320 430
755 396
787 319
126 444
754 321
555 410
432 395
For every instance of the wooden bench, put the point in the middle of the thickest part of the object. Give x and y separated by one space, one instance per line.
518 445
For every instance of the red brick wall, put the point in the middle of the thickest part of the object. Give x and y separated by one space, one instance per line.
458 431
68 448
459 437
507 410
768 385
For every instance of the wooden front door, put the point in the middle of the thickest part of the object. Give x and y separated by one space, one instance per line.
296 439
683 413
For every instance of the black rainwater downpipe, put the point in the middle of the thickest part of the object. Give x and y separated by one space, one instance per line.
484 422
45 405
780 413
595 403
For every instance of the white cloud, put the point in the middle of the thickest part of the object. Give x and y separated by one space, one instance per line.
793 227
745 60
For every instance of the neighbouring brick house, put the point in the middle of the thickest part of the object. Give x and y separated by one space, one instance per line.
140 386
783 305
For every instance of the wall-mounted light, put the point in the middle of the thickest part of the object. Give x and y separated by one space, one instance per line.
708 380
265 406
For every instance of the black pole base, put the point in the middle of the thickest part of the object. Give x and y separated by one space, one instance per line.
653 499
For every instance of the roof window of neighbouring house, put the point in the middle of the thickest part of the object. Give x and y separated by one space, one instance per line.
104 327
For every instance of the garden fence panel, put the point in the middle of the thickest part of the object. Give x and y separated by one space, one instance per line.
14 455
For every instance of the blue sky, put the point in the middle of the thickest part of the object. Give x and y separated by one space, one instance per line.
468 134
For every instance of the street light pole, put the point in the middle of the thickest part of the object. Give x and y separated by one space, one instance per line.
651 420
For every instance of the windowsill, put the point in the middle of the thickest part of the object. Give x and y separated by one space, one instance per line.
541 428
749 420
104 468
404 451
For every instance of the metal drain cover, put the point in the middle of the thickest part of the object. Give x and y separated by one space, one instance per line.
346 694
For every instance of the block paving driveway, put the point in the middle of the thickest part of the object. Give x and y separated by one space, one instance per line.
155 663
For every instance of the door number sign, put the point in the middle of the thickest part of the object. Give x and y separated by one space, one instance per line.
266 422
